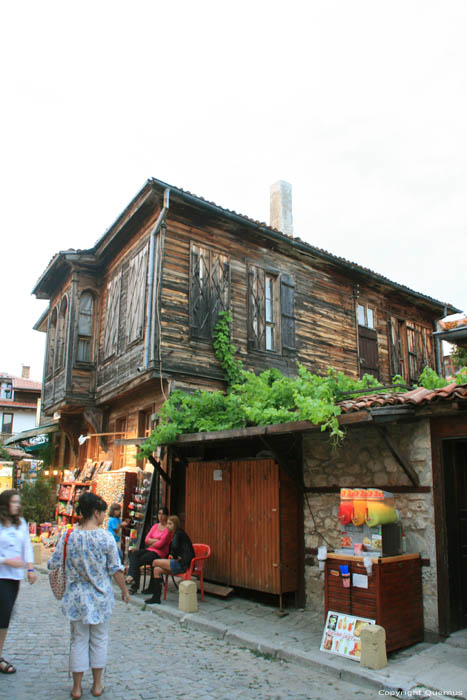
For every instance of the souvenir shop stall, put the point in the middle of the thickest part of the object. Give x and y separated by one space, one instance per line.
130 487
371 577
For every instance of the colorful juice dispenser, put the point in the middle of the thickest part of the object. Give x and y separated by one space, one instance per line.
346 506
380 508
359 506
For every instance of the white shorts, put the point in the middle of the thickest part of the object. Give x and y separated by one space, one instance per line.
88 647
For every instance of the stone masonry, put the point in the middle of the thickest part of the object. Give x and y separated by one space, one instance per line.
363 459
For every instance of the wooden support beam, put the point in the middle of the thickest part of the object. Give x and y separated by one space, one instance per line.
159 470
283 463
399 457
393 488
270 430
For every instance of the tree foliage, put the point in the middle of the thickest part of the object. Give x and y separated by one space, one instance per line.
38 499
459 358
4 454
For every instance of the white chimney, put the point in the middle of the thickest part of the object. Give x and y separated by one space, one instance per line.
25 371
281 207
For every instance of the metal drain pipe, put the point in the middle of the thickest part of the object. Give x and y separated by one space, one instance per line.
152 257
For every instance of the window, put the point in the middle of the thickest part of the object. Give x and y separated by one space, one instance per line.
270 311
411 347
86 306
365 316
136 295
413 352
61 333
271 320
7 423
209 290
112 316
6 389
51 337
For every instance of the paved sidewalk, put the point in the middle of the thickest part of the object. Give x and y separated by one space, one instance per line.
423 670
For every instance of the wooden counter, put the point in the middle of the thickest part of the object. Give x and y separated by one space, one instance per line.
393 597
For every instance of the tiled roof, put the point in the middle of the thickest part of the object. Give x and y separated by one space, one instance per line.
416 397
20 383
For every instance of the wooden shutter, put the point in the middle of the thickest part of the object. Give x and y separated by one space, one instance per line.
256 308
219 286
209 290
288 312
136 295
368 351
200 326
110 343
412 355
394 344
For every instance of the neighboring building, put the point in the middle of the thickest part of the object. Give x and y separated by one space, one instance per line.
131 319
19 398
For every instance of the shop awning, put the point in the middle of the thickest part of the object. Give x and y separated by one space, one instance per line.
34 432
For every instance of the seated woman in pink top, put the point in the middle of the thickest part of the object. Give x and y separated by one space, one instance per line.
157 543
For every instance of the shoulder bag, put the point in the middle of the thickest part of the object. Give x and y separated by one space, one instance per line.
57 577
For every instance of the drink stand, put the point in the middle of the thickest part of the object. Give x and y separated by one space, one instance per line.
369 577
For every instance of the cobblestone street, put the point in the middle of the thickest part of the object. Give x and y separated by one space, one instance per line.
150 658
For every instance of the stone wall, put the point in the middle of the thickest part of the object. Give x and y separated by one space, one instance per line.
364 460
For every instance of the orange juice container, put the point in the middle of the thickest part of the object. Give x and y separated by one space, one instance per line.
380 508
359 506
346 506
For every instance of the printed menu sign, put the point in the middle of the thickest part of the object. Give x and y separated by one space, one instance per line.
6 476
342 634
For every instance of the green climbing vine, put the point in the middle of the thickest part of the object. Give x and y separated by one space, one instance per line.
225 351
266 398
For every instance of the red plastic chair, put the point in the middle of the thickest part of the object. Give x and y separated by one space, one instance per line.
202 554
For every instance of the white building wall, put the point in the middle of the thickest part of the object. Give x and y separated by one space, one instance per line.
22 420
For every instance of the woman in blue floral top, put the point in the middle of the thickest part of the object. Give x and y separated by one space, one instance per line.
92 559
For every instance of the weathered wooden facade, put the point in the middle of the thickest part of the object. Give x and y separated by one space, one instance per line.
131 319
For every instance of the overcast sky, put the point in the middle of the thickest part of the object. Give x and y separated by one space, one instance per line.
360 105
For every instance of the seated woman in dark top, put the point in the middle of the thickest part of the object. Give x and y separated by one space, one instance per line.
181 551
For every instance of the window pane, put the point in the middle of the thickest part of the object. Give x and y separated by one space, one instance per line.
269 338
85 315
361 314
85 324
269 294
85 303
369 318
84 350
7 423
5 392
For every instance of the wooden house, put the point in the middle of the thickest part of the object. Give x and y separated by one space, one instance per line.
131 319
